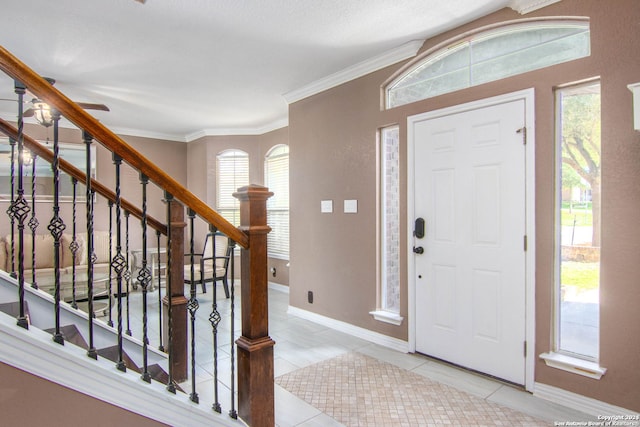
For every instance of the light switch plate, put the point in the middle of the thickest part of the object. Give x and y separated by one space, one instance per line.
350 206
326 206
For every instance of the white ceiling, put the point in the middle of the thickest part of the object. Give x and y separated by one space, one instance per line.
180 69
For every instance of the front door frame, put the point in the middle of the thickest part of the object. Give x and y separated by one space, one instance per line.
528 95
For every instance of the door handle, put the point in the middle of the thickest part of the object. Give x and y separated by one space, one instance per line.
418 250
419 229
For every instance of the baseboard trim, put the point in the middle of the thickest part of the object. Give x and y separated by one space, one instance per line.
578 402
347 328
278 287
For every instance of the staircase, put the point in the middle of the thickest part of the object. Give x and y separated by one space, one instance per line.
43 335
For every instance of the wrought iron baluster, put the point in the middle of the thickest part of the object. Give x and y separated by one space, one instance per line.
214 319
144 278
73 246
118 263
192 306
110 321
127 271
33 221
20 209
91 255
232 412
171 387
161 346
56 225
10 209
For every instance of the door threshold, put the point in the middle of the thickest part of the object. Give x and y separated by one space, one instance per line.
473 371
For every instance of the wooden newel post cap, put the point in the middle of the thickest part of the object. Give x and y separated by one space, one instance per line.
253 206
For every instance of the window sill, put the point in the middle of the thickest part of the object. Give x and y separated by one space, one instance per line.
573 365
387 317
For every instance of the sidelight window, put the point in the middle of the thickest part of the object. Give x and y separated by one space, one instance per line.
578 221
389 247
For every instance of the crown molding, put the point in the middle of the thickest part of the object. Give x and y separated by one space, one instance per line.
148 134
525 6
407 50
275 125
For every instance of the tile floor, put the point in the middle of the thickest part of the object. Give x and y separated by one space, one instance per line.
301 343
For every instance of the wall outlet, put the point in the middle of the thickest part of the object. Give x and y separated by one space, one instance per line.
310 297
273 271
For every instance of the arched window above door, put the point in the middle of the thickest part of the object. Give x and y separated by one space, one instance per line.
488 55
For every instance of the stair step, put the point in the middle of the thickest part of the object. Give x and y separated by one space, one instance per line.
111 353
13 309
71 334
160 375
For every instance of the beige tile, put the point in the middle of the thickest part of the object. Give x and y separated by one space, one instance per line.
358 390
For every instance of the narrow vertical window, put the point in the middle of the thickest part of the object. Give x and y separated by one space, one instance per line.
389 286
276 178
578 221
232 172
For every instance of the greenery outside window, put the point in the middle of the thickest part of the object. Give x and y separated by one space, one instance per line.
578 221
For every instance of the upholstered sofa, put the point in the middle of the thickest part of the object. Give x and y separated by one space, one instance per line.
45 260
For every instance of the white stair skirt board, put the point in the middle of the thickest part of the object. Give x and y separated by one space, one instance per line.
579 402
35 352
347 328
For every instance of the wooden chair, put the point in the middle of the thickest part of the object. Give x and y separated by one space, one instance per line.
203 263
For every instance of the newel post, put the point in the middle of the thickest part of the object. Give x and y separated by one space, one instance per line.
255 347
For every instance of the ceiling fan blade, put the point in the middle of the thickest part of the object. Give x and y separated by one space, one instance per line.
89 106
29 112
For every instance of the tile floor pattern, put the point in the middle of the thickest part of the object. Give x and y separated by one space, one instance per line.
358 390
301 344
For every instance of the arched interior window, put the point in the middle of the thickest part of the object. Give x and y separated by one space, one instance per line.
232 172
490 55
276 178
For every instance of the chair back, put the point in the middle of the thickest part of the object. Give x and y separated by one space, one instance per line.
222 246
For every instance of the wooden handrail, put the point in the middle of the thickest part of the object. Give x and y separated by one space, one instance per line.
16 69
73 171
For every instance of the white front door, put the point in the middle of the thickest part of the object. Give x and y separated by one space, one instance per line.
469 187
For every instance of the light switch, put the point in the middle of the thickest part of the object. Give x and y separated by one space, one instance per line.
326 206
350 206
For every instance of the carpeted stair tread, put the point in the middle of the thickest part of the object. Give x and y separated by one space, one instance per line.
71 334
13 308
111 353
160 375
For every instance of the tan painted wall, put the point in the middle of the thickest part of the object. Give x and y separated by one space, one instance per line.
333 152
201 157
170 156
49 404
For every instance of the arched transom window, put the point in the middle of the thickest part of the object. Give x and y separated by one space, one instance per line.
489 55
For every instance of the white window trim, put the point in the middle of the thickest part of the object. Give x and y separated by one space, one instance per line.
557 358
574 365
387 317
446 45
382 313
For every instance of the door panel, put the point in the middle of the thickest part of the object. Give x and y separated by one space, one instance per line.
470 281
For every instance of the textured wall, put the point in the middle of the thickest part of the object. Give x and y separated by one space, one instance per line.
333 156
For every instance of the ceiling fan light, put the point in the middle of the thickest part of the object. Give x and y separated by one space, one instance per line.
42 113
